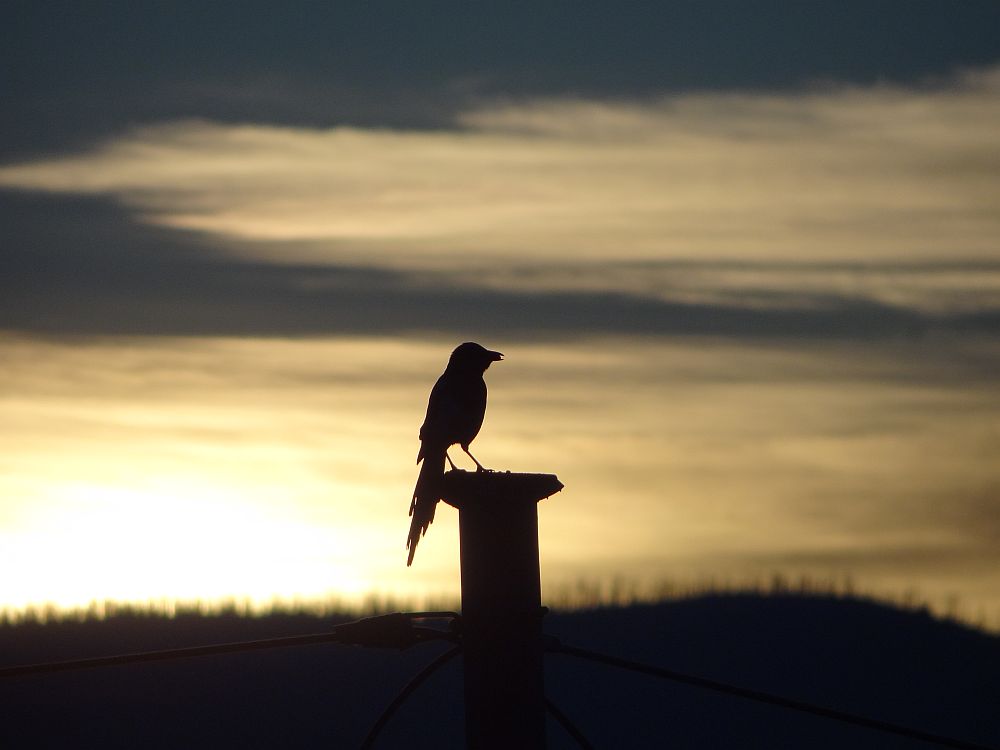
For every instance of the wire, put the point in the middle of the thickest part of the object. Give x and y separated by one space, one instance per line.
776 700
405 693
165 655
395 630
568 725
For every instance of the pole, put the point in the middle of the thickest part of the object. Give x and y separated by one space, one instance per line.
501 606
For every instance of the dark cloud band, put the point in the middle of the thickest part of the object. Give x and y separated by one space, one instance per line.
83 266
74 72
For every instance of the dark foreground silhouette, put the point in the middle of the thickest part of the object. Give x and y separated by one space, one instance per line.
455 413
856 656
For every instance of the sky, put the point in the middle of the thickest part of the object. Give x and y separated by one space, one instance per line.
743 259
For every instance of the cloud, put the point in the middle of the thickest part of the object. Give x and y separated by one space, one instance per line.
81 265
82 73
857 173
932 290
848 212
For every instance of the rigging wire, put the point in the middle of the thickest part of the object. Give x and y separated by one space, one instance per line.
395 630
165 655
775 700
568 725
405 693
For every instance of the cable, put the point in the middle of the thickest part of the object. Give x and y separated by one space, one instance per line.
756 695
395 630
568 725
405 693
165 655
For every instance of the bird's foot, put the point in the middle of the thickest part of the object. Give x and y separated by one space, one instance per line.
479 466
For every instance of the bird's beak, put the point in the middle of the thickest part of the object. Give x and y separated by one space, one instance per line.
495 356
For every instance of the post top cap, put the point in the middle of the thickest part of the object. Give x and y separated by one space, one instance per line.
459 487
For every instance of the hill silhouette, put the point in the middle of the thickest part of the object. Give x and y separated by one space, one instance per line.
854 655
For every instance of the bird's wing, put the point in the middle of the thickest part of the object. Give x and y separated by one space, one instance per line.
445 414
475 411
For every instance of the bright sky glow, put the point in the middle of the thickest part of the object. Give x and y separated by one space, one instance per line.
265 469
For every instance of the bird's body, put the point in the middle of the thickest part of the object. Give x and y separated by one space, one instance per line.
455 413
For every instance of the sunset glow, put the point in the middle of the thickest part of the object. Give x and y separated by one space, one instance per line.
750 304
266 470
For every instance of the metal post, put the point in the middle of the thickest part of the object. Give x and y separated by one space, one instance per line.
501 606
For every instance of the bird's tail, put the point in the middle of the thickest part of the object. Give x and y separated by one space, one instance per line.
425 497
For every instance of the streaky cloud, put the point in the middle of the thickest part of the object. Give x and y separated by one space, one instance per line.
91 72
847 173
119 277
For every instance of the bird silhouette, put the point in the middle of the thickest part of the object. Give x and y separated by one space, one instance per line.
455 414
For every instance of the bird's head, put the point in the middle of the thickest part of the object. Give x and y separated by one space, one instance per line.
472 356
